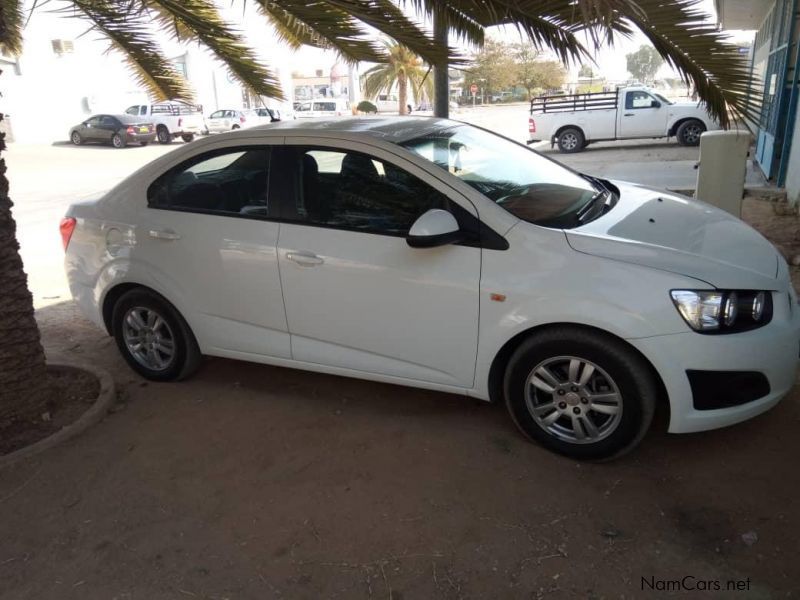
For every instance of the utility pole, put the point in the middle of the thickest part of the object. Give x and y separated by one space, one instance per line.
441 81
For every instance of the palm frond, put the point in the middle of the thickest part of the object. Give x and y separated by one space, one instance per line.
389 19
200 20
130 35
684 36
319 24
11 22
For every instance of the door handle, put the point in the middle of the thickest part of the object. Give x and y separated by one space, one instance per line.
629 115
164 234
304 259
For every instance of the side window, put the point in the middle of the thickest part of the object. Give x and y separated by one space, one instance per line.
94 121
133 110
228 182
142 110
350 190
216 115
108 121
635 100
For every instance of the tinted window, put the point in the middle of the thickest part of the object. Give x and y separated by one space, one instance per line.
109 121
133 110
350 190
143 110
93 121
230 181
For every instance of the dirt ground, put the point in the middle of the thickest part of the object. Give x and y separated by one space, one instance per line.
250 481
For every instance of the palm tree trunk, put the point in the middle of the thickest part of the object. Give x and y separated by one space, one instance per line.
402 92
24 388
441 80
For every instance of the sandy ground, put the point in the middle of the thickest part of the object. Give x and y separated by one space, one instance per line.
249 481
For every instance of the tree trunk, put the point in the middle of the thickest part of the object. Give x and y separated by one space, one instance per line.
402 93
24 387
441 82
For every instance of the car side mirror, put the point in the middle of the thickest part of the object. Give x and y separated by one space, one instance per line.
436 227
655 104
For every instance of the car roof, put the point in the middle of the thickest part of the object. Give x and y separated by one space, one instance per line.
391 129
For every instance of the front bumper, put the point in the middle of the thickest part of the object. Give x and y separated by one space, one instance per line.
771 350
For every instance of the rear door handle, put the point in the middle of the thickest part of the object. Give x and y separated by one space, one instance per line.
304 259
164 234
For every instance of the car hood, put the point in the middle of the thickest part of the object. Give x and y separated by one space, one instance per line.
674 233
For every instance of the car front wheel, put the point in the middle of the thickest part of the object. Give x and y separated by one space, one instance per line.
689 133
153 337
580 393
76 138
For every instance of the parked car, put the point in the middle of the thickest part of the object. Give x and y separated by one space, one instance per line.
117 130
230 120
172 119
574 121
431 253
329 107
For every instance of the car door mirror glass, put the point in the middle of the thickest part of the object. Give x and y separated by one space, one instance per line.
655 104
435 227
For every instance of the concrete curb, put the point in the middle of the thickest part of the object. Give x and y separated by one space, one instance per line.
94 415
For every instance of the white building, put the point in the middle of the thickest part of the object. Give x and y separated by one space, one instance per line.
65 74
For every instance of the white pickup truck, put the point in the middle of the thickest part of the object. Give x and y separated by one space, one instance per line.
172 119
574 121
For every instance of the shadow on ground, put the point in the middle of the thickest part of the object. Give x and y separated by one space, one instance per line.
250 481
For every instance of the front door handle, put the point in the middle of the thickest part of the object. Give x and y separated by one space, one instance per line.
629 115
304 259
164 234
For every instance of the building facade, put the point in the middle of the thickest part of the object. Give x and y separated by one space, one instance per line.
775 61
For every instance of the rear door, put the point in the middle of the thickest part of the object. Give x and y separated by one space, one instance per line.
357 295
642 115
209 236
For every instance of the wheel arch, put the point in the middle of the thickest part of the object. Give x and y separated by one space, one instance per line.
561 128
673 130
116 292
497 369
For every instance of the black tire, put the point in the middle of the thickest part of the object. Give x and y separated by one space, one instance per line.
187 137
143 144
163 135
118 141
235 127
689 132
571 140
636 393
186 357
75 138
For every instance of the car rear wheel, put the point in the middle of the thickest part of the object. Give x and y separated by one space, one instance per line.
689 133
76 138
187 137
153 337
235 127
163 135
117 141
580 393
571 140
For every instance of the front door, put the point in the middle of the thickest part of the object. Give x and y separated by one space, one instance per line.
209 236
643 116
357 295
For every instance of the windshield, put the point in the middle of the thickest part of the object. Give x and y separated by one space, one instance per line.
523 182
662 98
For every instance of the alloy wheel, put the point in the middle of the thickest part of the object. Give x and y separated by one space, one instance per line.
573 399
569 141
148 338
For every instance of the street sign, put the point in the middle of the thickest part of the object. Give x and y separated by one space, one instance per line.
473 89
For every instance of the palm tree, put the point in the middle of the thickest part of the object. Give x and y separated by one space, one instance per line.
402 67
677 29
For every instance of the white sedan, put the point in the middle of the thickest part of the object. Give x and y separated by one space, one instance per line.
435 254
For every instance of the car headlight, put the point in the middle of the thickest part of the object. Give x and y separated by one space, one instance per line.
723 311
